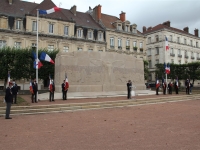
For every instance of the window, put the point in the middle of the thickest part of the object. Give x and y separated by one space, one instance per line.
50 47
51 27
17 45
149 52
171 38
90 50
172 61
150 65
66 30
34 26
171 51
65 49
185 41
134 30
100 36
157 50
100 50
179 62
192 54
112 41
119 43
197 44
126 28
2 43
135 44
127 43
149 40
79 33
157 38
197 55
178 40
34 45
179 52
157 61
191 42
80 49
119 27
141 45
90 34
18 24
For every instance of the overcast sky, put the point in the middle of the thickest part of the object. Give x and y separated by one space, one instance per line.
181 13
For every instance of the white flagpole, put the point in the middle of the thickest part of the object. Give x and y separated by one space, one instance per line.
37 54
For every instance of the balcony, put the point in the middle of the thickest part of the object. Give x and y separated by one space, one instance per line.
112 47
119 47
141 50
198 58
186 56
171 54
135 48
192 57
127 47
180 56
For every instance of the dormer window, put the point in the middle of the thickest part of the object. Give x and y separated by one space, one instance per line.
119 26
126 28
157 38
79 33
51 27
90 35
66 30
18 24
100 36
34 26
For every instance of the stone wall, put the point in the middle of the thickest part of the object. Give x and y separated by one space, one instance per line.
97 71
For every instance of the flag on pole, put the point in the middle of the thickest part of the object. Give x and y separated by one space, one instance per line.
45 57
66 82
52 10
37 63
31 87
167 69
157 83
166 44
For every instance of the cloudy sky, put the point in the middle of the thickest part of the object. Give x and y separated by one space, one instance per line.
181 13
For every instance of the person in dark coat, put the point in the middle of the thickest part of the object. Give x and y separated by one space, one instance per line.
14 92
64 92
170 87
51 91
164 87
176 85
9 100
35 90
129 89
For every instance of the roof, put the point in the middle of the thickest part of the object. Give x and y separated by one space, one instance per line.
82 19
161 26
108 21
17 9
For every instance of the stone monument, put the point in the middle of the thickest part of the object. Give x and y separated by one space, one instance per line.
98 71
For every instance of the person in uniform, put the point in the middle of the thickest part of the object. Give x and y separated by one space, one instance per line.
51 91
14 92
157 85
170 87
64 92
176 85
129 87
35 90
164 87
9 100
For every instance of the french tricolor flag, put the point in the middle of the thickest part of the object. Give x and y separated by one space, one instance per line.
66 83
166 44
52 10
45 57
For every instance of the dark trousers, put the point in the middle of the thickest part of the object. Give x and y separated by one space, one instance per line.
176 90
164 91
157 91
129 94
51 96
8 106
34 98
64 95
187 90
15 98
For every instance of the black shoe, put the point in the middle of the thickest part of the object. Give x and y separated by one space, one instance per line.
8 118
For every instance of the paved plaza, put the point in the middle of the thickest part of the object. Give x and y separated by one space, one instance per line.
165 126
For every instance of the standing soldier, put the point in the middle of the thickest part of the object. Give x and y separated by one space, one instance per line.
157 85
176 85
64 92
164 87
14 92
9 100
35 90
51 90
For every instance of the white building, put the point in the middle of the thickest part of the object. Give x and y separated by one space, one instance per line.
183 46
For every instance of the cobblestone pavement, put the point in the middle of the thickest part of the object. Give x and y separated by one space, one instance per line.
166 126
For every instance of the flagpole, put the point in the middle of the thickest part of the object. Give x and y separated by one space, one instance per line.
37 54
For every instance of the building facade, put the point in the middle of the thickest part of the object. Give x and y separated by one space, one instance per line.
183 46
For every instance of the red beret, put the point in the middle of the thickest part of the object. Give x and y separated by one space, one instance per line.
10 83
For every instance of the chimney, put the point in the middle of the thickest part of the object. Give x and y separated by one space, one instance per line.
167 23
144 29
10 2
99 12
122 16
149 28
196 32
73 10
186 29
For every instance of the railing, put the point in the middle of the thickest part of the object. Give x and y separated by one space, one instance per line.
179 55
171 54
